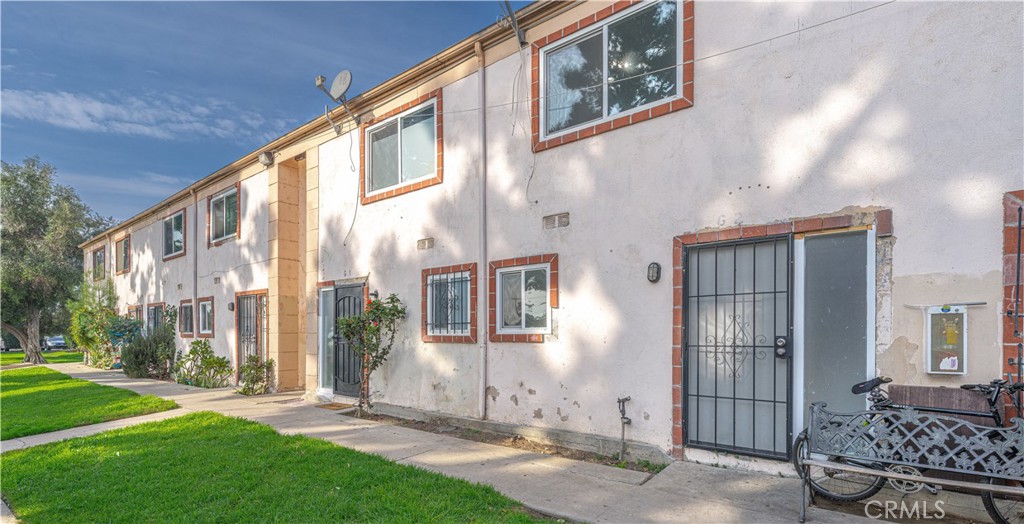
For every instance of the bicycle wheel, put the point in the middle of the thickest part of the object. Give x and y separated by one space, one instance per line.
1004 509
834 484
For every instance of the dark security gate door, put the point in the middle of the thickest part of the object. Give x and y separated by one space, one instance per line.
251 311
348 302
738 365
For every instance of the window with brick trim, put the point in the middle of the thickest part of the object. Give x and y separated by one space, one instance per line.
206 317
186 318
449 299
135 313
523 305
624 63
223 215
99 263
402 149
174 235
154 316
122 255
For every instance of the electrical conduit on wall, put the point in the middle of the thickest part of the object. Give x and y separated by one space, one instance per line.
482 275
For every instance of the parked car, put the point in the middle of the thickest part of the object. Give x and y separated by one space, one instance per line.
51 343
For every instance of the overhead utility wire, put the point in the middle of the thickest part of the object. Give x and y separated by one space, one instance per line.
646 73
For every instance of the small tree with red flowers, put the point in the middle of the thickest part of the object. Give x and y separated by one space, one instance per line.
372 335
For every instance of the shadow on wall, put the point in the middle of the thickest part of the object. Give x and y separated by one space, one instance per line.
801 141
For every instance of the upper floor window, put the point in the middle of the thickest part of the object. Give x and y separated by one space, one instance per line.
174 234
99 263
122 255
224 215
623 64
402 149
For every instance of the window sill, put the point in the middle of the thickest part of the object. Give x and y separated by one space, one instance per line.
449 339
205 335
408 187
174 256
529 338
123 272
186 335
223 240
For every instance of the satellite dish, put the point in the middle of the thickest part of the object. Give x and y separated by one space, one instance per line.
341 84
337 94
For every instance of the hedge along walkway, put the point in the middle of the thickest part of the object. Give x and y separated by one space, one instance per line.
205 467
37 400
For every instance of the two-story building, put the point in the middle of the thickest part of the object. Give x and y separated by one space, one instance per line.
722 210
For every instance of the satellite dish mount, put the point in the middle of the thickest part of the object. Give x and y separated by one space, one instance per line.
336 93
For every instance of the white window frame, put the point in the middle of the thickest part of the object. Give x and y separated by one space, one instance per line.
602 27
499 309
369 158
184 239
205 305
223 196
446 278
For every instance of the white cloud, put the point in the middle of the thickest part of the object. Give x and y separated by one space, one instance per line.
165 117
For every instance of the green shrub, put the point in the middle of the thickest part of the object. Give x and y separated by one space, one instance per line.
255 376
91 315
201 367
148 355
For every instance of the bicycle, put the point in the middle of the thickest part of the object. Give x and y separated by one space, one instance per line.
846 486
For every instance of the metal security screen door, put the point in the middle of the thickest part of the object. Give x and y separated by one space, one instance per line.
348 302
252 327
738 369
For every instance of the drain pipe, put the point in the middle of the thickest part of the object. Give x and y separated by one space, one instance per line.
625 420
483 273
195 263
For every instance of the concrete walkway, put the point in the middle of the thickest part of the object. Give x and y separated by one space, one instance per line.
578 491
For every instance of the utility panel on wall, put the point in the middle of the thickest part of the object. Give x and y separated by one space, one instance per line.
946 332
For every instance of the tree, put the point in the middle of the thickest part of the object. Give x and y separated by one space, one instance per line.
372 334
42 224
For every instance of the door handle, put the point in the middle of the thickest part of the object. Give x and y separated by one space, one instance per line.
782 349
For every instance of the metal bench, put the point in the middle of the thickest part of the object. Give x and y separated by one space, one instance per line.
867 442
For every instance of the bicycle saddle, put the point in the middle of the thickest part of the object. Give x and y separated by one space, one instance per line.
868 385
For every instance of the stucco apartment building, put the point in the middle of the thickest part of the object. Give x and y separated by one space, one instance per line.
722 210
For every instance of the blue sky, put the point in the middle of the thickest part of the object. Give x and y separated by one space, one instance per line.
131 101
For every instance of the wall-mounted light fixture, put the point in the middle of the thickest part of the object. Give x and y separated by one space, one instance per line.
654 272
231 306
374 295
267 158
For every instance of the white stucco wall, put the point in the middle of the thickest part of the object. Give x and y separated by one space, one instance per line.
914 107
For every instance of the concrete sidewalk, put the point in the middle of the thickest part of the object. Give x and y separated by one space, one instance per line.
578 491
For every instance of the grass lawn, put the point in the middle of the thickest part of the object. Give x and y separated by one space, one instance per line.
39 400
205 467
54 357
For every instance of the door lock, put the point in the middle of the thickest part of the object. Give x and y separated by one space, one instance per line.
782 347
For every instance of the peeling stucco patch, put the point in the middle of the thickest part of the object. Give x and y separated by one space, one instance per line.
493 393
647 416
538 413
514 399
561 416
532 391
576 403
898 360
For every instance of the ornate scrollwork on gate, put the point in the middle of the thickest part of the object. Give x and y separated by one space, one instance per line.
918 439
732 352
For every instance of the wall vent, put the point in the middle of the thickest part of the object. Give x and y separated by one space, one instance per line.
179 287
556 221
425 243
216 280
